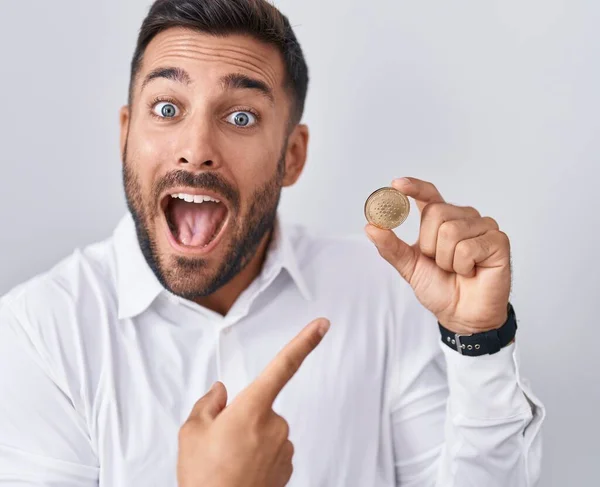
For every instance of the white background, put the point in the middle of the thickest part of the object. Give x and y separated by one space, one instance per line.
496 102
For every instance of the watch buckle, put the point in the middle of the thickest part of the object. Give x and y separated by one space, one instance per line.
459 346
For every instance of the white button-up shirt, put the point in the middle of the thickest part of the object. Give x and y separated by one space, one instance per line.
100 366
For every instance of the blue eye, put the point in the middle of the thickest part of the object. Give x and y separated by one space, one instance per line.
242 119
166 110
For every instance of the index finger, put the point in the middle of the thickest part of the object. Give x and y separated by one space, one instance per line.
423 192
265 389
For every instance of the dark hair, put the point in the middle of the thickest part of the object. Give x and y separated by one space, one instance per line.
257 18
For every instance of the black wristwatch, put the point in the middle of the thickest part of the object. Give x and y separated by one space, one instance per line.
488 342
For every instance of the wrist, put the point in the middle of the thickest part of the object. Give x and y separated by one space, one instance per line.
482 342
463 329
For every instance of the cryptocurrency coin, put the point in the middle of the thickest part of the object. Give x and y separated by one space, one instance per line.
387 208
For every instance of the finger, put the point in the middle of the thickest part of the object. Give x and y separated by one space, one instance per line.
454 231
264 390
209 406
285 467
423 192
489 250
276 428
287 451
397 252
433 217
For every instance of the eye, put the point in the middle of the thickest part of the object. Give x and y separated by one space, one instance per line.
166 110
242 119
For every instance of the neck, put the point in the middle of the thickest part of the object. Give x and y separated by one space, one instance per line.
223 299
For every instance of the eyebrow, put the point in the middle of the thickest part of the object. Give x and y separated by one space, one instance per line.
237 81
174 74
233 81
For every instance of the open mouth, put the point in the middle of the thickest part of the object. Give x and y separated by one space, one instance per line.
194 221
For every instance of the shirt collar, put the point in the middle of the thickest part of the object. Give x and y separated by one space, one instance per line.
283 255
138 287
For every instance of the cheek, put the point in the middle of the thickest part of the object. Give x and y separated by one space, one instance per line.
154 145
253 172
252 161
145 154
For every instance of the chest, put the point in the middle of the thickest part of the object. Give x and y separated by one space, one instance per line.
155 371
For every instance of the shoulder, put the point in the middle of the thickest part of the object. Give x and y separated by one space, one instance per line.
57 312
67 284
56 317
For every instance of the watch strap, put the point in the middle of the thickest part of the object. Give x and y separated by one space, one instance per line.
488 342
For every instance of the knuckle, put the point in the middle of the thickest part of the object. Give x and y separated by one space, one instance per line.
472 211
432 211
492 222
464 249
282 427
432 187
450 230
503 237
503 240
189 429
288 471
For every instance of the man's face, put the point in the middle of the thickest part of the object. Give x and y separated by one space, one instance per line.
206 150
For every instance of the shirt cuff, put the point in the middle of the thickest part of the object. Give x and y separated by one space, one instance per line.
487 386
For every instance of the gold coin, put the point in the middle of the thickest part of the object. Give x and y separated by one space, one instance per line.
387 208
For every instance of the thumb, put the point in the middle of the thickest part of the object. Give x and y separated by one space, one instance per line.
397 252
212 403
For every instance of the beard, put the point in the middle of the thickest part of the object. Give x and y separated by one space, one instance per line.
192 278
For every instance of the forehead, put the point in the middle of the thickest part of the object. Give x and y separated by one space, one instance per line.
203 55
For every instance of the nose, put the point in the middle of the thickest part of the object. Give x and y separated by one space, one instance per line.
197 147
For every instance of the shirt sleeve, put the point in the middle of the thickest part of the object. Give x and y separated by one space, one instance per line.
459 421
43 439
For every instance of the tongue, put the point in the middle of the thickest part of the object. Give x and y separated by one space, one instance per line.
195 224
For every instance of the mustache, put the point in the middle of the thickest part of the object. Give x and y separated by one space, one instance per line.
205 180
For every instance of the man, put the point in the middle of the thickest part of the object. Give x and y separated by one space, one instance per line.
106 359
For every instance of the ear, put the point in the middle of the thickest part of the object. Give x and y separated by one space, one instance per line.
295 156
124 118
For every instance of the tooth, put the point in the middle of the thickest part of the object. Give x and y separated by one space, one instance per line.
189 198
198 198
207 198
180 196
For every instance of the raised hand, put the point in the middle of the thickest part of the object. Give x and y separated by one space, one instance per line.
459 268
